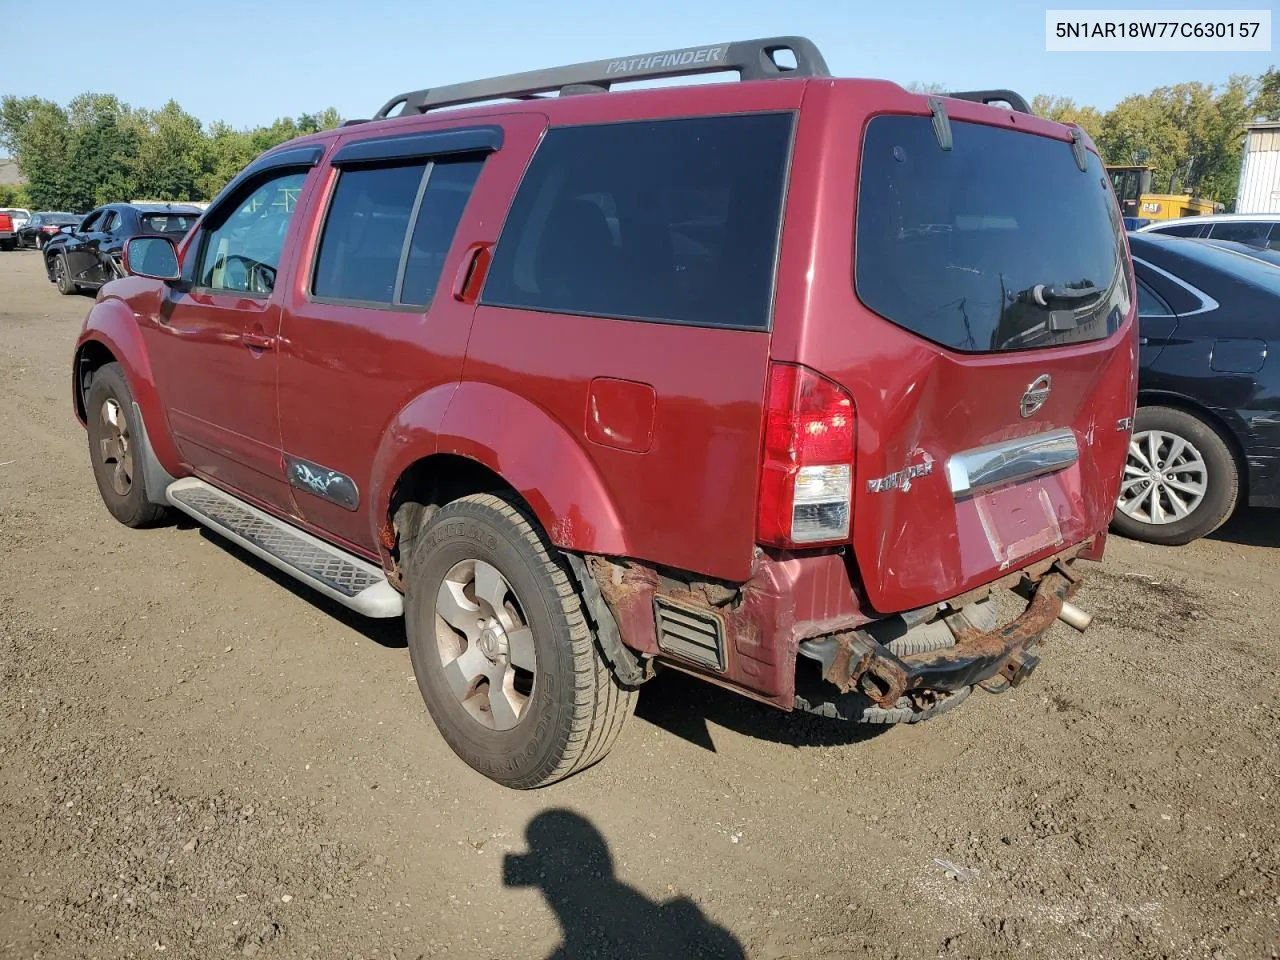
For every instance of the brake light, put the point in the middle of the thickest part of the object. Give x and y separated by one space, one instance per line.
806 479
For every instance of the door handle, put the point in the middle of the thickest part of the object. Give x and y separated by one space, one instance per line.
257 341
471 272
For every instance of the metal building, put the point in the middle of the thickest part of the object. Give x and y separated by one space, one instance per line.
1259 188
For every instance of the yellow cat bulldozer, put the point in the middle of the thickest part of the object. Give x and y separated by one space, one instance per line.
1133 189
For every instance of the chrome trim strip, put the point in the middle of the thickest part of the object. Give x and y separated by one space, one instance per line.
1207 302
972 471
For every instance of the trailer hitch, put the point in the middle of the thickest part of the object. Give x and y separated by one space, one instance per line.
855 660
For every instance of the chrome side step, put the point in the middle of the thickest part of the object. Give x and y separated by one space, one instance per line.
339 575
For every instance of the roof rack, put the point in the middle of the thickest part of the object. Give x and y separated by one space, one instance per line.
750 59
1014 100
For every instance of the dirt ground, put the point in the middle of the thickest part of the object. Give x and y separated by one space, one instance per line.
199 760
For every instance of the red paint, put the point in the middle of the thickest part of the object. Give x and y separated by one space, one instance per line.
636 440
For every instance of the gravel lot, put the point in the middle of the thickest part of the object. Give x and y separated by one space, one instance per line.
199 760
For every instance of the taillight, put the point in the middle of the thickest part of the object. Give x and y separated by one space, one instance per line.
806 480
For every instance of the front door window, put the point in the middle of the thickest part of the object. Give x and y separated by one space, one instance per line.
242 255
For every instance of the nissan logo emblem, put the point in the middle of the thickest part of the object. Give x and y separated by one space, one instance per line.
1035 395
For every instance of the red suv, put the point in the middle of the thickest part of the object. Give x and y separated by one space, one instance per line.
771 382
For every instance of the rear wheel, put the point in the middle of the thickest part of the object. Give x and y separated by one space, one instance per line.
502 652
1181 481
115 450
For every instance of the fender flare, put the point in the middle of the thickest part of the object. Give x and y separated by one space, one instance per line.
112 325
536 455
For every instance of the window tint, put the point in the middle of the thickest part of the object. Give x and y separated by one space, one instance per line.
110 221
1150 304
243 253
671 220
1183 230
91 221
960 246
448 190
1242 231
364 233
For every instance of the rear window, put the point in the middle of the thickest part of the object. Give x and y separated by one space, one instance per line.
167 222
672 221
1000 243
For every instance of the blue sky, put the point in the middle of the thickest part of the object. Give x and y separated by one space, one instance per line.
249 61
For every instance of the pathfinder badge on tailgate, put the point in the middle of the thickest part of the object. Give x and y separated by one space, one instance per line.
901 480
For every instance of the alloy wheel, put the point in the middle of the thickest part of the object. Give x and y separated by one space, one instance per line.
1165 478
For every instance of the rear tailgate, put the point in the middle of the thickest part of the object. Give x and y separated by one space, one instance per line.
988 347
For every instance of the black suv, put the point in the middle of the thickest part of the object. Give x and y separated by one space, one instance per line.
87 256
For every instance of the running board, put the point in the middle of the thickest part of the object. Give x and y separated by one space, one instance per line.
339 575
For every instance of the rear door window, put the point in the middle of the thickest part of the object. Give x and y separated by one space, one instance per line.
672 221
1000 243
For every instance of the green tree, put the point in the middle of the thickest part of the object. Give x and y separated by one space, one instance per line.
1265 104
14 195
104 149
168 164
37 133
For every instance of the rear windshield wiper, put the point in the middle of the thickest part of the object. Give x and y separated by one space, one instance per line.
1061 302
1044 294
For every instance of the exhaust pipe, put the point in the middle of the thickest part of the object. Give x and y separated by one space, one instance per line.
1074 617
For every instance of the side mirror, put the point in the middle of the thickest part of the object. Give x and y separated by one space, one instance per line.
155 258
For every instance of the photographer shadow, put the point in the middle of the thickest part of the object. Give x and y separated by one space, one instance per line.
599 915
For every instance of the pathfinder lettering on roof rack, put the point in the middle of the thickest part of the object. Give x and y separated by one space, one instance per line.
681 59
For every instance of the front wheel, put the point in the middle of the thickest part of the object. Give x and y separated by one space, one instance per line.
1181 481
115 450
502 651
62 275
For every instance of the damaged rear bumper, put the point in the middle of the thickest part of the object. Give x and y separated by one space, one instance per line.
854 660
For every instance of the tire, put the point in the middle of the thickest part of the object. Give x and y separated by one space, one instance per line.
115 452
575 709
62 276
1215 472
8 245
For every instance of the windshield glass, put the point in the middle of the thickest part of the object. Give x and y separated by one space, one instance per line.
1000 243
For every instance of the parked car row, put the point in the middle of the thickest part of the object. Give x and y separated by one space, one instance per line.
87 255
